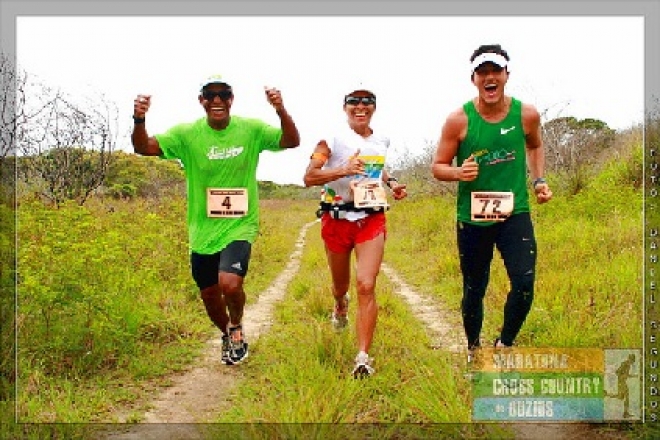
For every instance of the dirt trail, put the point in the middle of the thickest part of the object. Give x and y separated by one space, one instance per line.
447 333
197 395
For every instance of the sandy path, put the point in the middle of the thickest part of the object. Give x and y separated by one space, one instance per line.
199 394
446 333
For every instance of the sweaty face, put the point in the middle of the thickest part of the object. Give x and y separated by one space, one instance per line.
490 80
216 100
359 107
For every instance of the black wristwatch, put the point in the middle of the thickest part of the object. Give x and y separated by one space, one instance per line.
138 120
537 181
390 180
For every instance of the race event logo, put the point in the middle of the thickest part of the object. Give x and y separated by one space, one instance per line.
556 384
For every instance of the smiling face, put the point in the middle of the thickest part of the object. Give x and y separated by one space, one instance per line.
217 100
359 106
490 79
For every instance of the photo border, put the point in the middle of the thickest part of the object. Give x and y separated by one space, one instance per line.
10 10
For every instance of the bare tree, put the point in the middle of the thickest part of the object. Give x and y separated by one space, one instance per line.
573 147
12 84
65 143
415 170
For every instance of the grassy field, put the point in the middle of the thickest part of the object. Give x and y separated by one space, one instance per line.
107 310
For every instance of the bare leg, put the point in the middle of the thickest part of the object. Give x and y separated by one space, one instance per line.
216 308
232 286
340 271
369 258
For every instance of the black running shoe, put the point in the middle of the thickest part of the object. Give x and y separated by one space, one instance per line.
226 348
238 350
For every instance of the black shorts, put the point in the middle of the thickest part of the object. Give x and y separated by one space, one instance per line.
235 258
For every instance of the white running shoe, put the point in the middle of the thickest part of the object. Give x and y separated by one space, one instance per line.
339 317
363 367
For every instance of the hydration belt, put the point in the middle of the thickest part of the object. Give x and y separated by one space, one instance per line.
339 211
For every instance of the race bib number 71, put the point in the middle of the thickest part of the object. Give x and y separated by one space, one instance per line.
226 202
369 194
491 206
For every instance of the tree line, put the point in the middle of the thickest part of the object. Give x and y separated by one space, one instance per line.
64 147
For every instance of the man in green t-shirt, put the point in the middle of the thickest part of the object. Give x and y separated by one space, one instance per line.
494 139
220 154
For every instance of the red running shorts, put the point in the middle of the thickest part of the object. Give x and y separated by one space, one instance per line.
341 235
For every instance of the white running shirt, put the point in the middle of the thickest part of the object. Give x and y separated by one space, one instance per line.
344 145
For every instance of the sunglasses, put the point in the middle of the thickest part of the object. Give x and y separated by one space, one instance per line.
355 100
210 95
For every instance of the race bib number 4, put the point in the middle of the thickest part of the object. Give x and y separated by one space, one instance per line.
490 206
369 194
226 202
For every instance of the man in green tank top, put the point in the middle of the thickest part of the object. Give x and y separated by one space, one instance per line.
220 153
488 145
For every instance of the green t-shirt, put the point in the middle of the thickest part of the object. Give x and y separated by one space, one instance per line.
220 159
499 149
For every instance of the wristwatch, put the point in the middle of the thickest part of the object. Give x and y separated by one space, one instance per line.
537 181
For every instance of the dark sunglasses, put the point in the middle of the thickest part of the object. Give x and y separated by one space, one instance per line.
210 95
355 100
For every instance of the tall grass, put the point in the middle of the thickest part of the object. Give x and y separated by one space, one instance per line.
302 362
108 309
589 272
588 295
107 306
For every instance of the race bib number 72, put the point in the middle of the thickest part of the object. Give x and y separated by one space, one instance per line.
491 206
226 202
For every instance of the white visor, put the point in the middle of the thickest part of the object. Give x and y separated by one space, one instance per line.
489 57
214 79
358 87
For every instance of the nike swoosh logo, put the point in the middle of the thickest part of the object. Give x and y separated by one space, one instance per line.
506 130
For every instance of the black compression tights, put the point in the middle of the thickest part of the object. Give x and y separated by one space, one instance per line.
514 239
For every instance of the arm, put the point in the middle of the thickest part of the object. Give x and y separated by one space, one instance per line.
398 189
290 136
142 143
535 151
316 175
453 132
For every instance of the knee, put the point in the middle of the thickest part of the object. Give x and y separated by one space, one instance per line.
210 292
474 290
230 285
366 286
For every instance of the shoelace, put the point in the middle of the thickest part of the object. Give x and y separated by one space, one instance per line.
233 330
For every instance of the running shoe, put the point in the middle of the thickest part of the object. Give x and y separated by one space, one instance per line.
499 344
226 359
238 350
472 352
339 316
363 366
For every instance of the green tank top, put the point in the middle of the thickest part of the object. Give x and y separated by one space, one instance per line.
499 149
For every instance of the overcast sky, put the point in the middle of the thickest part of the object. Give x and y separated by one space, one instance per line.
586 67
